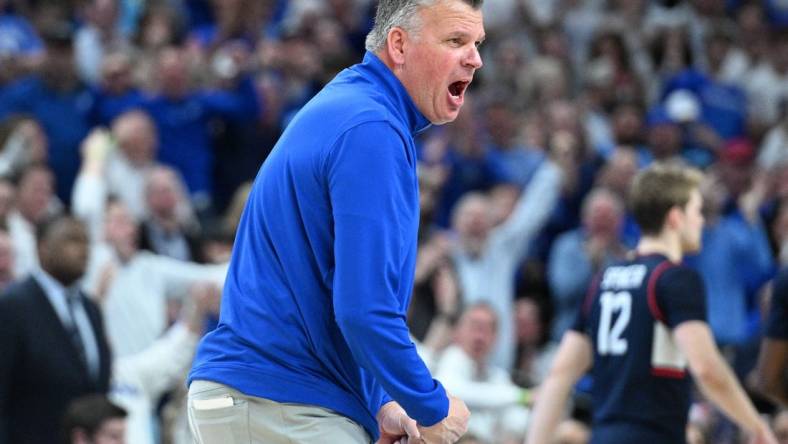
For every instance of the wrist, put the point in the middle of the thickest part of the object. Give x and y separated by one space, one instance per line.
387 409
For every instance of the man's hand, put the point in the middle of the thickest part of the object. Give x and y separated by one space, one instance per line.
395 426
451 429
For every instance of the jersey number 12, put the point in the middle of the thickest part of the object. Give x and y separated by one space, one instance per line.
609 340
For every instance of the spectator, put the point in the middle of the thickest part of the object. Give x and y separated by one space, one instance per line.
767 82
93 419
497 405
735 260
54 348
487 257
135 286
96 38
533 356
579 254
139 380
21 49
182 115
470 167
116 91
519 162
35 201
122 172
774 148
170 227
24 145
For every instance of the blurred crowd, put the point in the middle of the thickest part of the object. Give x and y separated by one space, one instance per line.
146 120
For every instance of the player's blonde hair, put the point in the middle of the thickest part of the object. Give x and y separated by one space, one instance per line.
659 188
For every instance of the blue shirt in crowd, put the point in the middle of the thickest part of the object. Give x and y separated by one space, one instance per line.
314 304
735 262
183 126
18 37
65 117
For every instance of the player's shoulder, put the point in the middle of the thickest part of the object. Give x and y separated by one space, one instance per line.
679 282
678 272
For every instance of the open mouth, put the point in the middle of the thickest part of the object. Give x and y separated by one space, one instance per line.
457 88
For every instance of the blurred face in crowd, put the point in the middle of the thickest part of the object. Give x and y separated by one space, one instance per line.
620 171
104 14
173 73
627 124
603 215
111 431
59 69
476 332
501 125
737 176
563 116
163 193
136 137
473 219
157 28
229 13
121 230
35 193
63 250
664 140
436 62
116 75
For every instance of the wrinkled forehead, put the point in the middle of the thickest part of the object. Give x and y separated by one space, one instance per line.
453 15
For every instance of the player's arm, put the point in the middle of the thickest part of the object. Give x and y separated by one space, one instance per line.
572 360
714 377
682 306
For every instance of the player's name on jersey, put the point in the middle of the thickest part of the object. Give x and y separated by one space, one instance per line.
622 278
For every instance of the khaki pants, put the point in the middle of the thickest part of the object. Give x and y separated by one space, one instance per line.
219 414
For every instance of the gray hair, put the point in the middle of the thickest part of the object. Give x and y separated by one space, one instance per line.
402 14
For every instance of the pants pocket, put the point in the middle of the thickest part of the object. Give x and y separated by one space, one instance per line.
223 425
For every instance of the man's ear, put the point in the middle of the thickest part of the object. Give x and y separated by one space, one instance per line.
395 45
673 218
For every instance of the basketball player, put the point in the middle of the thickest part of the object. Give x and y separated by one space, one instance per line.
642 326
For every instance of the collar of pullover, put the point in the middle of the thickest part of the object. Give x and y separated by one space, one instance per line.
374 68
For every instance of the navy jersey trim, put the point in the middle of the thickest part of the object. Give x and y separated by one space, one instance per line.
653 305
652 293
